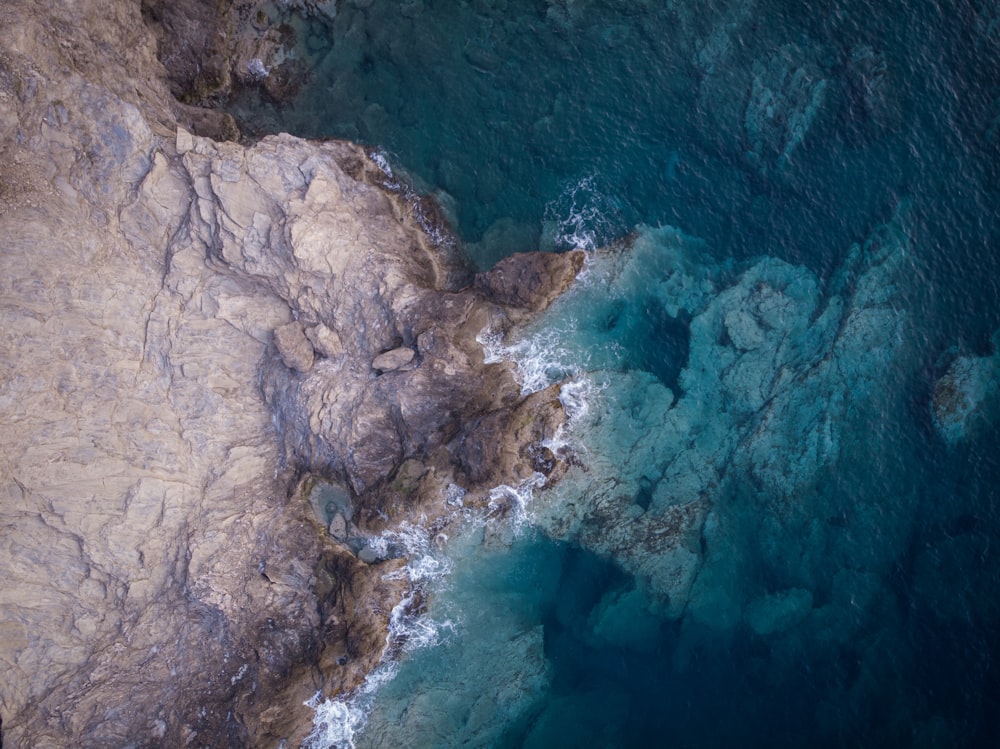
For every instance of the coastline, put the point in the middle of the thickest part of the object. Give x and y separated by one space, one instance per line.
270 440
192 329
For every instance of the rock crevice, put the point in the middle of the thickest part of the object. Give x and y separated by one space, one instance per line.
187 333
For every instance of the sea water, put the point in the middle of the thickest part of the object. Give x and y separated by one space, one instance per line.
767 541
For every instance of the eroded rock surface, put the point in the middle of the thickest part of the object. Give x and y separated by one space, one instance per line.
188 327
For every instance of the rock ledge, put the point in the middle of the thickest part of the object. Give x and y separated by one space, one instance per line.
188 336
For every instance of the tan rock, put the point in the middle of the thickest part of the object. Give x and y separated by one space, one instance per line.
295 349
325 340
394 359
338 527
185 141
530 281
154 551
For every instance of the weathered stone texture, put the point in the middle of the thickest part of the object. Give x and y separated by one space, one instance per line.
186 327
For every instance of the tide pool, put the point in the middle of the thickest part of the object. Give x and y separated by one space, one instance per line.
783 528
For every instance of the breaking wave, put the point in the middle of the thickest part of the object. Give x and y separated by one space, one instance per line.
583 217
337 721
541 359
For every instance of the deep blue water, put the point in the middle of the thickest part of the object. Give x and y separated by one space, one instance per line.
851 598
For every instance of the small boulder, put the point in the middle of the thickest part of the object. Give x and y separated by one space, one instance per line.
338 527
394 359
295 349
325 340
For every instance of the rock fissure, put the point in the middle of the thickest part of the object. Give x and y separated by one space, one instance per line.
221 323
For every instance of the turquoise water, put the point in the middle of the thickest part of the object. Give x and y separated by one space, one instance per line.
770 542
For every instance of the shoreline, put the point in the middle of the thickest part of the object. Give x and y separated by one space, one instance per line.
195 328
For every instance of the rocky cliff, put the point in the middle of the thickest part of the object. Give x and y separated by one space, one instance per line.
192 333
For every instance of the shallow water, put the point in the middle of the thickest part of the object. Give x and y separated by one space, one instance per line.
832 576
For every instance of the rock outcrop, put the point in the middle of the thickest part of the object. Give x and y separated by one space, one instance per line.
210 49
966 398
188 333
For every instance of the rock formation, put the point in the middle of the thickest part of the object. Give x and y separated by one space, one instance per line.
966 398
210 49
191 331
732 448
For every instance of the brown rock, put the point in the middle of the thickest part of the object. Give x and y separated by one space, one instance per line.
295 349
193 36
208 123
967 397
505 446
325 340
394 359
531 280
155 551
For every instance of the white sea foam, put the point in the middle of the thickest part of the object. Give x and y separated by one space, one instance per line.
416 544
454 496
380 160
256 68
583 217
575 397
543 360
493 347
515 500
439 235
540 359
551 352
336 722
410 629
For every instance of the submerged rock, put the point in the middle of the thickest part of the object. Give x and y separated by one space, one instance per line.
776 612
781 369
761 93
786 93
966 399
